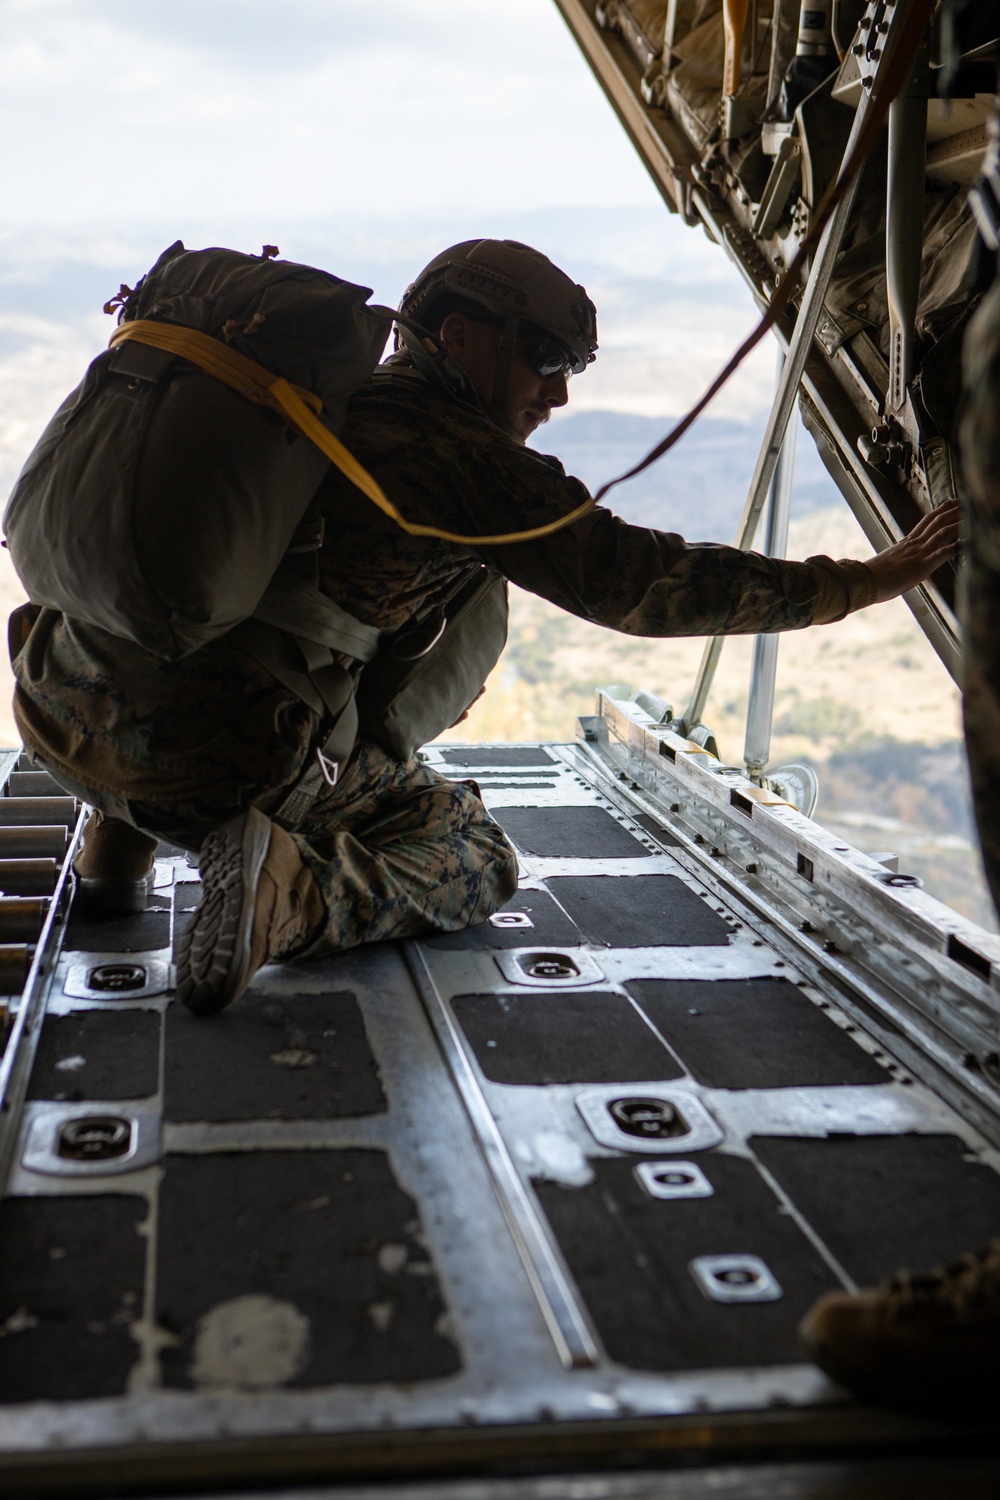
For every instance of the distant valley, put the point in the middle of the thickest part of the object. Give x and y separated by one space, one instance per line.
698 488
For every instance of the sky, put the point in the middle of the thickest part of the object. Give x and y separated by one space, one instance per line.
359 137
307 108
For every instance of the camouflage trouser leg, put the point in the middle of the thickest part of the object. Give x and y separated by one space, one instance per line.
396 848
400 851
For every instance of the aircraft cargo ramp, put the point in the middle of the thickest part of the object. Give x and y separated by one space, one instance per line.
549 1194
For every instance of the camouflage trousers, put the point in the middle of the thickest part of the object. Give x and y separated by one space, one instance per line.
398 851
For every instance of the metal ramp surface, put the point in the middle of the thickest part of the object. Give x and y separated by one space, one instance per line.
552 1191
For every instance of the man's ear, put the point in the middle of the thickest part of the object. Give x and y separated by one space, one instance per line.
453 333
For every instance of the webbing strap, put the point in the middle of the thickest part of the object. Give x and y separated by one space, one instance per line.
299 408
292 604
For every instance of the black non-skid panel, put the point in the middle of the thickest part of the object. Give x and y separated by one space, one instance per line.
568 833
144 932
753 1033
498 755
562 1037
638 911
630 1255
330 1248
272 1056
97 1054
495 784
551 927
888 1203
169 851
656 828
71 1279
187 894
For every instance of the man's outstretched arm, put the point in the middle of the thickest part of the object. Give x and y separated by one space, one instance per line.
932 542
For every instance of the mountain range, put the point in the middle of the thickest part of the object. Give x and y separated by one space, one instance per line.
698 488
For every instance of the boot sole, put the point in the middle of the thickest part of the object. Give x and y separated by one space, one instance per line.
212 955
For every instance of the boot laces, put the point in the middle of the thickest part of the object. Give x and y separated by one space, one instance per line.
969 1286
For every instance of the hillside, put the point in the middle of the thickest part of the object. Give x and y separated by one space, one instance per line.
705 477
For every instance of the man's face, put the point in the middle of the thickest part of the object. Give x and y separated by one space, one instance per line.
528 398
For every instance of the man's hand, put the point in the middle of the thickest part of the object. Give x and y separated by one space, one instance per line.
932 542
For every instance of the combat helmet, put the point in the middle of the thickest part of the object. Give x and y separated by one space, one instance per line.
519 287
522 291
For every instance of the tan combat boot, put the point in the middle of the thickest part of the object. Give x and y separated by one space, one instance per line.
929 1344
114 867
260 901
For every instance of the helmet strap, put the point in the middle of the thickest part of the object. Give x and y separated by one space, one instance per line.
505 348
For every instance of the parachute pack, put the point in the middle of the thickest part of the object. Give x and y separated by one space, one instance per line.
168 500
159 501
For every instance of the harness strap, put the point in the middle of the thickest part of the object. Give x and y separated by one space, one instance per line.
300 409
328 688
292 604
505 348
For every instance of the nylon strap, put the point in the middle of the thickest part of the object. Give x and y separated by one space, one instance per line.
292 604
299 408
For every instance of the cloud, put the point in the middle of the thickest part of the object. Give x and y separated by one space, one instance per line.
305 109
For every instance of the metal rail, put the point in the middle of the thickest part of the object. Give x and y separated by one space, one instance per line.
806 324
885 508
575 1344
760 708
22 1043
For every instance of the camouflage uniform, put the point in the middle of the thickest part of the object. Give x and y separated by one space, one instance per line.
980 444
179 747
397 849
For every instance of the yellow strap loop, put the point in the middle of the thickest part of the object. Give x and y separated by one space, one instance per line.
300 409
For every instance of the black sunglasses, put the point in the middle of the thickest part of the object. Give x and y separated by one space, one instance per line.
545 354
547 357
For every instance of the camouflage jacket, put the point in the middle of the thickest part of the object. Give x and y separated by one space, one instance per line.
124 721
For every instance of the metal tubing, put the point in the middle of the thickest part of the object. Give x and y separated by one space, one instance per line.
15 1065
28 877
734 20
760 709
784 402
15 961
38 811
540 1257
32 784
22 918
798 352
27 841
904 229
